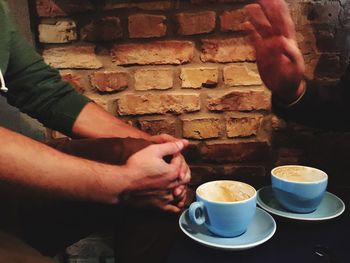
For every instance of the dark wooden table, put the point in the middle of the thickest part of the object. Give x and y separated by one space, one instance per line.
294 242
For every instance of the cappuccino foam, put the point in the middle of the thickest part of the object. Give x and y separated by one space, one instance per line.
226 191
299 174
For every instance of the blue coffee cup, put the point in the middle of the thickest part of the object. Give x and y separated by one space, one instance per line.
299 188
225 207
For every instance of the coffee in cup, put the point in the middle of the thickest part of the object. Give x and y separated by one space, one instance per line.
225 207
299 188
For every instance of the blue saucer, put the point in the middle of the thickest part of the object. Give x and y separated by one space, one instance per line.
261 229
330 207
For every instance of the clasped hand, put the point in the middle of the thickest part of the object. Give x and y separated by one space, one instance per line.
154 182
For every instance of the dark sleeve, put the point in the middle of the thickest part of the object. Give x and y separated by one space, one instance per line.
37 89
322 106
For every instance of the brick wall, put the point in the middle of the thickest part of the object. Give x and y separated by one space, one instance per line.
185 68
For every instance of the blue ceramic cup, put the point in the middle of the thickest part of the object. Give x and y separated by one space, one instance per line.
298 188
225 207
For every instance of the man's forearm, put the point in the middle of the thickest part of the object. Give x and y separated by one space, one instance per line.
95 122
40 168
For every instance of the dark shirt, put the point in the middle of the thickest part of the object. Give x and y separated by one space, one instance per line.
325 107
33 86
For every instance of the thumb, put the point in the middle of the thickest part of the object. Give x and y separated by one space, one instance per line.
170 148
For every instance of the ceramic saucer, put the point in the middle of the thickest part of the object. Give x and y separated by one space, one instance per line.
330 207
261 229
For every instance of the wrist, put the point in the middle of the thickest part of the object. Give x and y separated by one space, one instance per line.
288 100
110 184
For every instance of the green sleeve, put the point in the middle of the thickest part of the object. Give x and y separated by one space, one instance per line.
37 89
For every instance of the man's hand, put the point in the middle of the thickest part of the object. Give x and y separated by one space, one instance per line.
185 173
280 62
150 175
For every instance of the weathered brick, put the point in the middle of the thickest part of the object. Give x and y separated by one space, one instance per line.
103 101
60 32
52 8
75 57
235 151
196 23
240 172
192 152
145 5
103 29
197 77
109 81
202 173
158 126
146 26
160 52
241 74
153 79
240 100
201 128
227 50
243 126
132 104
74 79
232 20
234 171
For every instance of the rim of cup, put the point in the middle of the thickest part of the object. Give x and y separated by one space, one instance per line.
227 203
324 178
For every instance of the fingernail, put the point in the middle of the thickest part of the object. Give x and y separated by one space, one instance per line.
185 142
177 192
179 144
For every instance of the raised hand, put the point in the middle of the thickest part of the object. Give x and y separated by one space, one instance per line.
280 62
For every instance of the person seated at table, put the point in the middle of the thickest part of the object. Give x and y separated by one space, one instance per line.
97 179
281 66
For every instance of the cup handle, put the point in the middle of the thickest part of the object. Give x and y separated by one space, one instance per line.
196 213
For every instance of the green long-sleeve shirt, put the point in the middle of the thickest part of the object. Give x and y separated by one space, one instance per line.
34 87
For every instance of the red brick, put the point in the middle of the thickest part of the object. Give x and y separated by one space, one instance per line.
73 79
155 53
146 26
73 57
60 32
243 125
203 173
109 81
232 20
241 74
153 78
158 126
103 29
236 151
197 77
227 50
196 23
52 8
201 128
192 153
240 100
132 104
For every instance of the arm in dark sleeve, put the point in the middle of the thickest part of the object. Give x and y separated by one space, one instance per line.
37 89
326 107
